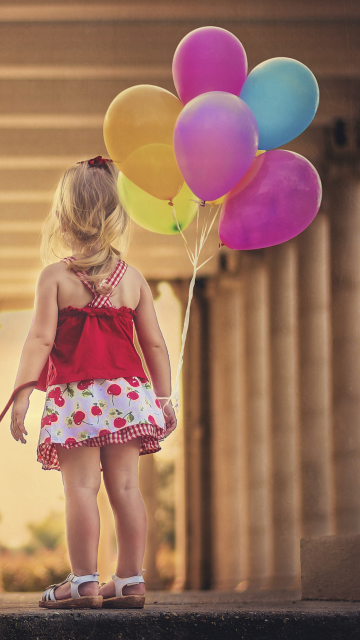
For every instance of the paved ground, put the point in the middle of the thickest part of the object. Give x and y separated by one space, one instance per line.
198 615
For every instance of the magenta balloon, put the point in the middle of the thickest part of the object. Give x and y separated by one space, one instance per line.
215 142
278 198
209 59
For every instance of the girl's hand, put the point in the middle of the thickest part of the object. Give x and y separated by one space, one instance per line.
170 418
19 410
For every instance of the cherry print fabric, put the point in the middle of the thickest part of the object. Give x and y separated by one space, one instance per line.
99 412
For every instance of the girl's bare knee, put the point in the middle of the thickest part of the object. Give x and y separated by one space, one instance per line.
121 488
80 469
82 483
86 487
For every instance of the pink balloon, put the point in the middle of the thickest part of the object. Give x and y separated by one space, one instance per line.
215 142
275 201
209 59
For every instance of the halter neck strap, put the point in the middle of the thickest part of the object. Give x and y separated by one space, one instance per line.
101 300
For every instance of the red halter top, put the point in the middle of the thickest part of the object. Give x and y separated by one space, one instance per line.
96 341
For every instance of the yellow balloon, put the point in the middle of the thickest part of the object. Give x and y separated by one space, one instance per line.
219 200
154 214
259 152
138 133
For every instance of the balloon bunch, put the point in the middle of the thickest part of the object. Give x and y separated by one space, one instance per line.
229 116
206 145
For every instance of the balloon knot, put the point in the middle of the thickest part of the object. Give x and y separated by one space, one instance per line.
202 203
221 244
170 203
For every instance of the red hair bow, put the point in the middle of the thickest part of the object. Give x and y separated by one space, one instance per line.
96 162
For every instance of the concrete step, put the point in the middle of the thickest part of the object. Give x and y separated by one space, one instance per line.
197 615
330 567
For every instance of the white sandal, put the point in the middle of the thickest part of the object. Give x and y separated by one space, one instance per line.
125 602
76 601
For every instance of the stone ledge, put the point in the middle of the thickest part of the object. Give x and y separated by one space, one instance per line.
197 615
330 568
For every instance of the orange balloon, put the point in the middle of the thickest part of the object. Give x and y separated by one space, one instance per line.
138 133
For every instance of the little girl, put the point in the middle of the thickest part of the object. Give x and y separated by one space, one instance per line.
100 410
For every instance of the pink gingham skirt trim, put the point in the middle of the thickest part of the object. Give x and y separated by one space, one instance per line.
149 434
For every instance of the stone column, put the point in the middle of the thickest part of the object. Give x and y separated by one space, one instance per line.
180 518
180 289
258 419
107 542
344 203
228 415
285 414
196 445
148 487
315 378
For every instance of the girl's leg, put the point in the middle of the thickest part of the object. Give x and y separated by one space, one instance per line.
120 470
80 468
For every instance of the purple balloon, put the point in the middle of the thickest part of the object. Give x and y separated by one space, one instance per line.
277 199
215 142
209 59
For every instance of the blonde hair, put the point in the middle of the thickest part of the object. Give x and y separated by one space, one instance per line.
86 210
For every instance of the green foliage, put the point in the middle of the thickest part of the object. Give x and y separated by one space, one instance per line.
23 572
42 561
165 514
48 533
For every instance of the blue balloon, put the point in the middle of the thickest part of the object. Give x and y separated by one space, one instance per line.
284 96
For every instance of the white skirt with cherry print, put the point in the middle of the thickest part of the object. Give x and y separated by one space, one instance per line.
95 413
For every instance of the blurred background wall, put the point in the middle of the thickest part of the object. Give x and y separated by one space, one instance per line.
268 448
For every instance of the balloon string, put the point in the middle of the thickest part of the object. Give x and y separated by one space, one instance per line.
194 259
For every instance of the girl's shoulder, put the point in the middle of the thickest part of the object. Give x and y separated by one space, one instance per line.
53 271
138 286
57 273
135 275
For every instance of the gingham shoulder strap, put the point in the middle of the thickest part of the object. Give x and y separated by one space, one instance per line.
99 300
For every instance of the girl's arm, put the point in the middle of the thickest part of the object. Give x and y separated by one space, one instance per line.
155 352
37 347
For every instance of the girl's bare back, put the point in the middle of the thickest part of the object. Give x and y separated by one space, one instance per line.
72 293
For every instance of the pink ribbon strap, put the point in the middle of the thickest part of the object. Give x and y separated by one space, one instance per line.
12 397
